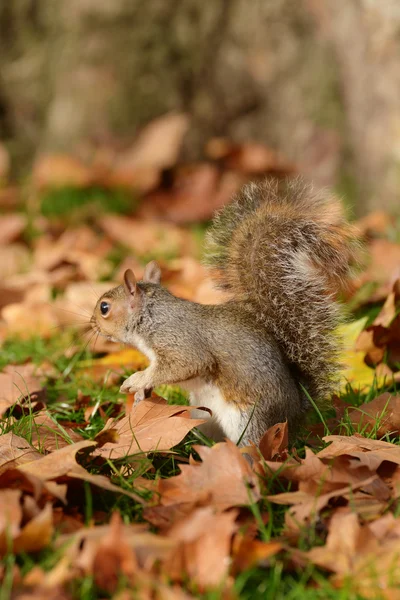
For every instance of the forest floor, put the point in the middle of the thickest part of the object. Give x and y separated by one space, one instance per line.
100 498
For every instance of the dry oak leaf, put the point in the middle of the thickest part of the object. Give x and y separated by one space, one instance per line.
248 552
203 552
62 463
35 534
15 451
345 542
152 425
18 383
381 415
48 435
114 557
370 452
274 443
306 507
58 463
83 546
224 479
364 557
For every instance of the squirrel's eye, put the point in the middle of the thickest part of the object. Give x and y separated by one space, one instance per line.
104 308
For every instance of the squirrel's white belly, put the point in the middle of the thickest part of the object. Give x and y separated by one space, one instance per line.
226 418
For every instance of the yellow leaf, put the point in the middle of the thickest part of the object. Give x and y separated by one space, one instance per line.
356 371
129 357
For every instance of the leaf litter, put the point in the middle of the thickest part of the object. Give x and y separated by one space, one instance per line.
124 492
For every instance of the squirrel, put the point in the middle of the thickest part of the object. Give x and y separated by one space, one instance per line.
281 250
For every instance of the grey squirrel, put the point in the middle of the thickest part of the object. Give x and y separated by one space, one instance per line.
281 250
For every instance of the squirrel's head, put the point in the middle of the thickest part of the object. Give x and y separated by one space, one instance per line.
121 309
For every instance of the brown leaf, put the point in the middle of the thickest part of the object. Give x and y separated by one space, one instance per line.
307 507
15 451
18 383
371 452
60 170
157 146
152 425
249 157
381 415
197 193
375 222
144 238
19 321
58 463
10 516
15 258
49 435
37 533
82 546
384 268
11 227
223 478
249 553
204 546
274 443
346 541
114 557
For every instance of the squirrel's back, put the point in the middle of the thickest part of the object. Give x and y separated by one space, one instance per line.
283 250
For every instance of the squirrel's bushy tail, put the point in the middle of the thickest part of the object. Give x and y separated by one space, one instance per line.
283 249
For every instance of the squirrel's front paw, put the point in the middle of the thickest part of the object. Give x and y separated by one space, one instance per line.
134 383
139 396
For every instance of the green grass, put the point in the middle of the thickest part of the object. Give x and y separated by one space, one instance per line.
86 202
271 581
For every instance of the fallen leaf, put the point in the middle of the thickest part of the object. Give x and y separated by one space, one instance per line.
15 451
48 435
10 516
204 546
37 533
152 425
223 478
248 553
157 145
114 558
274 443
19 321
381 416
143 238
345 542
195 196
82 546
60 170
58 463
11 227
248 157
18 383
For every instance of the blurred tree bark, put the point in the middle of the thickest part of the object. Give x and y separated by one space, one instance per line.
316 79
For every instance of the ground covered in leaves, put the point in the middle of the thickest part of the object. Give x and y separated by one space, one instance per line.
100 498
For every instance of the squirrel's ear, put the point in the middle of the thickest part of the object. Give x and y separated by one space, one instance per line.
129 283
152 273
